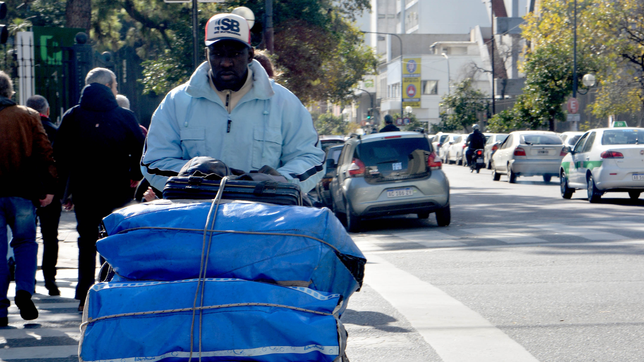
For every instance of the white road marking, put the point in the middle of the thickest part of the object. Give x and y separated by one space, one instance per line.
585 231
508 236
457 333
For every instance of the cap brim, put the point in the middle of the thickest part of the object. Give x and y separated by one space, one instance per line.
210 42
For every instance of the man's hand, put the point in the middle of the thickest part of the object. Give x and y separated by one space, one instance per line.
47 200
68 206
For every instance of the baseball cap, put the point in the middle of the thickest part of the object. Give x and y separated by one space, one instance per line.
227 26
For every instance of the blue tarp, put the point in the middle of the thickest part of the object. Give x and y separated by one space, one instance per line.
287 245
241 321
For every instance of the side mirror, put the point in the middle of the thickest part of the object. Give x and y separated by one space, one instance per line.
330 164
568 149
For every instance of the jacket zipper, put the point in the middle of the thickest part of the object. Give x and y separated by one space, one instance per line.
230 121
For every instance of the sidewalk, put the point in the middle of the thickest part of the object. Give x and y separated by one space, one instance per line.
54 335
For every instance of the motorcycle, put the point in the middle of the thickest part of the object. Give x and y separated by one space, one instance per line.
477 162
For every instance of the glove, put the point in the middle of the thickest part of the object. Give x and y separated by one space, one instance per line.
266 173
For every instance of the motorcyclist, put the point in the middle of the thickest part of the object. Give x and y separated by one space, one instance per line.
475 141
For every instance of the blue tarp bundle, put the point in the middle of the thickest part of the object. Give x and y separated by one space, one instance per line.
241 321
287 245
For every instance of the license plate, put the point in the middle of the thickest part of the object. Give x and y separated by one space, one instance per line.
638 177
400 192
479 160
542 152
396 166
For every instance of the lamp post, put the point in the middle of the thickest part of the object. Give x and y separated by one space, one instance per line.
448 80
402 92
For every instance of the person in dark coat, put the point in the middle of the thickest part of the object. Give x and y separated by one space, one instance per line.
49 215
98 149
389 125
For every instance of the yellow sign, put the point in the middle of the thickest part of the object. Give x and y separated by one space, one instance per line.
411 82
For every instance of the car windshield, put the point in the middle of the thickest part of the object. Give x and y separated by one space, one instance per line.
622 137
395 158
541 139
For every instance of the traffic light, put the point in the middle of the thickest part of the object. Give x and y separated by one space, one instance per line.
4 32
369 115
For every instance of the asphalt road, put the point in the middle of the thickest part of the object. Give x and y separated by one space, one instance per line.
519 275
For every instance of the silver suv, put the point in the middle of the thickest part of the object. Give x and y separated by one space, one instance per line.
390 173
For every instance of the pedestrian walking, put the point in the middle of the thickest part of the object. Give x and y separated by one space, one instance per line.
389 125
100 136
49 215
230 110
27 179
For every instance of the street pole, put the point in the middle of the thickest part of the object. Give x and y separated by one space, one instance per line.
574 59
195 38
402 92
492 25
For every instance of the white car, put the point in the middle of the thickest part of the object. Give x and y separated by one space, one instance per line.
451 139
605 160
455 149
570 138
528 153
493 142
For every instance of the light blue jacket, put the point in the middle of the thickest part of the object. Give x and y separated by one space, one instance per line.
269 126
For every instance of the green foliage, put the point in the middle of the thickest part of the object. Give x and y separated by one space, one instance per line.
328 124
460 109
414 124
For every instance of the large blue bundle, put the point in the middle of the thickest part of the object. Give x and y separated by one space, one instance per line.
241 321
287 245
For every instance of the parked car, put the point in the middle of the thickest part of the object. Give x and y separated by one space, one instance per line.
455 148
331 140
570 138
605 160
449 141
322 187
528 153
491 145
437 143
391 173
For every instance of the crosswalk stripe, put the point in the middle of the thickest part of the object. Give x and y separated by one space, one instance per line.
457 333
508 236
584 231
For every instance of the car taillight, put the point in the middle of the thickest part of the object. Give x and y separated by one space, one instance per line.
563 152
519 151
357 168
433 162
464 146
611 154
495 147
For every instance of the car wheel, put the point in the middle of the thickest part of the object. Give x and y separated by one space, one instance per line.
566 192
547 178
634 195
489 165
512 176
443 216
593 194
353 221
460 161
495 175
423 215
340 216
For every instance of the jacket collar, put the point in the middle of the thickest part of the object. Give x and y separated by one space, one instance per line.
199 86
6 102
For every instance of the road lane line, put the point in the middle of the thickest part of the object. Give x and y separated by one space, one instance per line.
457 333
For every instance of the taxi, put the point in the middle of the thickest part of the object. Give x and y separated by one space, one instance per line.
605 160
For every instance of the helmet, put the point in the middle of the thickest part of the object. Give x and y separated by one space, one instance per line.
475 127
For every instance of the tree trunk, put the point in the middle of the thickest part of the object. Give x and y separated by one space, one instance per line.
78 14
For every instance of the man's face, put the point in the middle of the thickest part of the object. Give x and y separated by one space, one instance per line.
114 86
229 61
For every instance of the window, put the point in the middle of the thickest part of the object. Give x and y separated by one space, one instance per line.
430 87
580 144
622 137
589 142
541 139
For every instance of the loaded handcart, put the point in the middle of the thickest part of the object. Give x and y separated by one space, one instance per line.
221 279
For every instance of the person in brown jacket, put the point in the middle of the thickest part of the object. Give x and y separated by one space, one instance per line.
27 178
